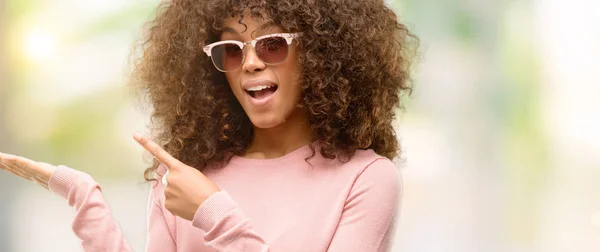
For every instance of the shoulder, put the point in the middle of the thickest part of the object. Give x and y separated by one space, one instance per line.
374 169
376 182
367 161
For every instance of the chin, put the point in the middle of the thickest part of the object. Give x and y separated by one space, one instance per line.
266 122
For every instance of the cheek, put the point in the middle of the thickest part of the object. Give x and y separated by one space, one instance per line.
295 79
230 78
294 65
292 73
232 81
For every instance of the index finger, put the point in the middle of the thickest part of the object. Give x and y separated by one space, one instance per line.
156 151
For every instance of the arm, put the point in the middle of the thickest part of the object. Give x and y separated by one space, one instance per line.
367 223
159 236
93 222
370 214
226 226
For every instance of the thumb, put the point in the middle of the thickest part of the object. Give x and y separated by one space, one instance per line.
163 172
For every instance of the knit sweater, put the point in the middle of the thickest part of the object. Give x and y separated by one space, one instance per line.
281 204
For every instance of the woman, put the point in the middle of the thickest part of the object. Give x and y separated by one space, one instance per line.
274 120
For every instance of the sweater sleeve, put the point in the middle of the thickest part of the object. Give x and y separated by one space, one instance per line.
367 223
226 226
369 218
93 222
161 223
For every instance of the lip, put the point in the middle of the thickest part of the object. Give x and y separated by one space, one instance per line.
259 82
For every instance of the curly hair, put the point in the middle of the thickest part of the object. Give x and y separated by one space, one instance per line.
355 58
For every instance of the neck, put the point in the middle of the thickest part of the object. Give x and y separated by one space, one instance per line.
286 137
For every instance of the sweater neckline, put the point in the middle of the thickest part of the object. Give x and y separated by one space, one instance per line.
296 155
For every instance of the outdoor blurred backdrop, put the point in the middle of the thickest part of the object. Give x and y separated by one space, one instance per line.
501 136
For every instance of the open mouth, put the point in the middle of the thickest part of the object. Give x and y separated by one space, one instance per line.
260 92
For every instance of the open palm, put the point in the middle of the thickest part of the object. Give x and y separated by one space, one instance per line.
186 188
37 172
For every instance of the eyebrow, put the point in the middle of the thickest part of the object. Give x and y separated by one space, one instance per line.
262 27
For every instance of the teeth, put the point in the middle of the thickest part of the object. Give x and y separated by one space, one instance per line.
258 88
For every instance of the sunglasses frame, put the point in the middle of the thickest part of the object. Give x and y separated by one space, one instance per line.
289 37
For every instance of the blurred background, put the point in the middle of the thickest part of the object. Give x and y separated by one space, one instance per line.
501 136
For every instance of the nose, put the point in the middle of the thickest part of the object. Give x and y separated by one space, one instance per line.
252 63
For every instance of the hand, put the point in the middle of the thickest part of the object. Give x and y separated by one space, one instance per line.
186 188
37 172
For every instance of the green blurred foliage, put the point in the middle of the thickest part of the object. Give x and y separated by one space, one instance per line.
86 135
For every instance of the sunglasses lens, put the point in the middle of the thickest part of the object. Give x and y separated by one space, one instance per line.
227 57
272 50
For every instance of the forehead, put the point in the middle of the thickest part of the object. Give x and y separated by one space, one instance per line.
247 24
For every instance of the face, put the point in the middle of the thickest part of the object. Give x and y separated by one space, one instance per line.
268 93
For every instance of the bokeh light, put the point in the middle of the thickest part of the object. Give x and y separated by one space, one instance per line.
501 137
39 45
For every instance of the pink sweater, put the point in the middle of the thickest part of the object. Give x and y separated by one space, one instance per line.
281 204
